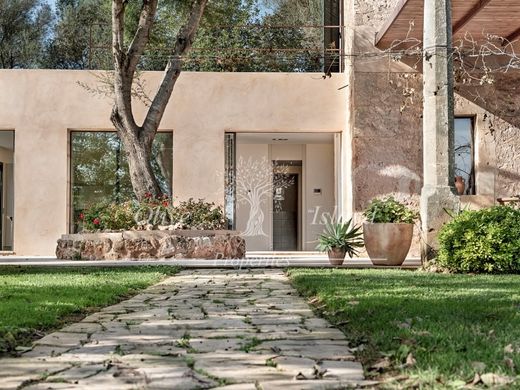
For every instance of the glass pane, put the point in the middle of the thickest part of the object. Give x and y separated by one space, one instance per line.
230 182
464 156
99 170
7 198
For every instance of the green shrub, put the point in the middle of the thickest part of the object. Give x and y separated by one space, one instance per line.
389 210
152 212
199 215
109 216
487 240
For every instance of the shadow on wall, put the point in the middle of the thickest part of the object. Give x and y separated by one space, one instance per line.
507 182
501 98
396 180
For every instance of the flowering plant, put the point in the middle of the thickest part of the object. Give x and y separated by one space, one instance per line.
151 213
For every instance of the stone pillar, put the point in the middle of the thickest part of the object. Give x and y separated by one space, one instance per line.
346 193
437 196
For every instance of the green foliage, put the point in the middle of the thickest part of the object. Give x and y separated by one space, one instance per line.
341 235
199 215
24 26
487 240
389 210
100 174
190 214
79 22
109 216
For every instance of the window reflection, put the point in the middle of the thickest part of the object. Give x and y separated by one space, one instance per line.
464 156
99 170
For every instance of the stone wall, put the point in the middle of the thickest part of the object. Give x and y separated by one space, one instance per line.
134 245
387 138
378 98
387 141
387 129
373 13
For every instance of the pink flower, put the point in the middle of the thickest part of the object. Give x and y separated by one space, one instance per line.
165 203
96 221
81 216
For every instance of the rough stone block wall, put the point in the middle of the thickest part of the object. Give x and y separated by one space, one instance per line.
373 12
507 182
387 139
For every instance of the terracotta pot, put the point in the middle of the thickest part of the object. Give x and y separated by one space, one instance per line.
387 243
460 185
336 256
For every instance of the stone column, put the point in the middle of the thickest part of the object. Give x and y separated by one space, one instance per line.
437 196
346 194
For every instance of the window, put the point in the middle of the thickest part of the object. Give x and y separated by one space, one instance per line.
230 181
464 156
6 189
99 171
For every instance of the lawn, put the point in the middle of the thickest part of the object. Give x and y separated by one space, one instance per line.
36 300
421 329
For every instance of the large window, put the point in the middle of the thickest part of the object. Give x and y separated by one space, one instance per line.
6 189
99 170
465 155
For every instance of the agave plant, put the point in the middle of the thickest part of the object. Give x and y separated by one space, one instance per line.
345 236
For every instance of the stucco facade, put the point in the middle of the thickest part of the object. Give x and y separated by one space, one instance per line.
373 110
42 107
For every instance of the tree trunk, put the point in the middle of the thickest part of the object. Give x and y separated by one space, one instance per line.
139 157
142 176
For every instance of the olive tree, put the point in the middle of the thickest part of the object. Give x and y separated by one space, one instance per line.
137 138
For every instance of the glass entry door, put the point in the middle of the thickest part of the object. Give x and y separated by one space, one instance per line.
287 205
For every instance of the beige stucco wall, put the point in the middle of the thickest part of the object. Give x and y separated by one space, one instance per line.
42 106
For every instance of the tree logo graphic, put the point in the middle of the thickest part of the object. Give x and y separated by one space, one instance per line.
256 181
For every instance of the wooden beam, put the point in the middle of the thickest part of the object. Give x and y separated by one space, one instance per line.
470 15
391 19
511 37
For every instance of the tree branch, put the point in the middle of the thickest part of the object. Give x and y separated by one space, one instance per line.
173 69
141 36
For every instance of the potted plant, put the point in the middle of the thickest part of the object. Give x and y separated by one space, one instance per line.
388 231
339 239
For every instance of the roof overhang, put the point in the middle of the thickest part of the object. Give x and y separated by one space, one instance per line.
475 18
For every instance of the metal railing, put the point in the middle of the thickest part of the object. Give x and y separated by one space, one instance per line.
305 48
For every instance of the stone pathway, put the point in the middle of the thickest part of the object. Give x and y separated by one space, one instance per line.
200 329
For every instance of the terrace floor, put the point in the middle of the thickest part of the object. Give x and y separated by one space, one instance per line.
252 260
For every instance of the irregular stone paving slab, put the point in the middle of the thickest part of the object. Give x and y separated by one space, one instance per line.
200 329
